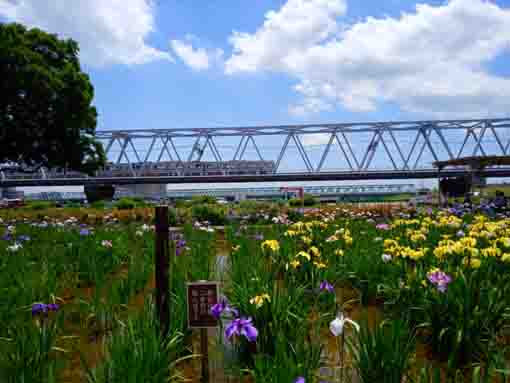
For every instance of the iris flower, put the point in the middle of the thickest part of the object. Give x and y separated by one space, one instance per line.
42 308
439 278
14 248
242 326
325 285
337 325
223 307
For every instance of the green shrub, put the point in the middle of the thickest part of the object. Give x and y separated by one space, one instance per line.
172 217
203 200
125 204
98 205
295 215
215 215
41 205
72 205
308 200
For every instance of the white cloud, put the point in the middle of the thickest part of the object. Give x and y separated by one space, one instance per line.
297 26
196 58
315 139
108 31
431 61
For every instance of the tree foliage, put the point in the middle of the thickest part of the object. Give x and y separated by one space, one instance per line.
46 113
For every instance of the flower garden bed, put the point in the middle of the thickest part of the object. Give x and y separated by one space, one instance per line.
341 295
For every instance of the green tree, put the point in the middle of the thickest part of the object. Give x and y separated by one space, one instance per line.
46 113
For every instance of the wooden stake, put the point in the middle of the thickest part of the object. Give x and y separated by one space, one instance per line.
204 350
162 259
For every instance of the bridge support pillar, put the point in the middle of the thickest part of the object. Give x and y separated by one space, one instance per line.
155 191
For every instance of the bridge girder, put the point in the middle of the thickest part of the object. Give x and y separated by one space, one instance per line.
402 143
408 148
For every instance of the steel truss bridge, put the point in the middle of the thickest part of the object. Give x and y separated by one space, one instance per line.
342 151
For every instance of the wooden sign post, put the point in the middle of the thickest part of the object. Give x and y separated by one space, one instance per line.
162 259
202 296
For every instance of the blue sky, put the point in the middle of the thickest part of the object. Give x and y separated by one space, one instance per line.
168 63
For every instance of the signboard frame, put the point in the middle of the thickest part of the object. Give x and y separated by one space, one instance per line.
210 321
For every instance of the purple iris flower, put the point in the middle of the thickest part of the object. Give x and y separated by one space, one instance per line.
223 307
53 307
84 232
325 285
300 379
440 279
259 237
39 308
383 226
181 243
242 326
6 237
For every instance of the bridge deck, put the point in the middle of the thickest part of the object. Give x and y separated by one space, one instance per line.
279 177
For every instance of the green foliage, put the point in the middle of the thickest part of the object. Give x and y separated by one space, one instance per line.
295 215
383 354
203 200
125 204
46 113
138 353
461 323
213 214
100 205
72 205
308 200
28 352
172 217
290 361
41 205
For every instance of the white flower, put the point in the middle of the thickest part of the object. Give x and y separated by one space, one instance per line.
386 258
107 244
11 229
337 325
145 227
139 233
14 248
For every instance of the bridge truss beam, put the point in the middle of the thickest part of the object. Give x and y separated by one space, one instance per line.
405 145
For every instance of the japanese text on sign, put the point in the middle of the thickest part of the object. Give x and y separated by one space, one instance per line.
201 297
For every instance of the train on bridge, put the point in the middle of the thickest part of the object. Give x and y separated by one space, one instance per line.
149 169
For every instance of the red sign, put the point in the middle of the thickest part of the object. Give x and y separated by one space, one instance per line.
202 296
